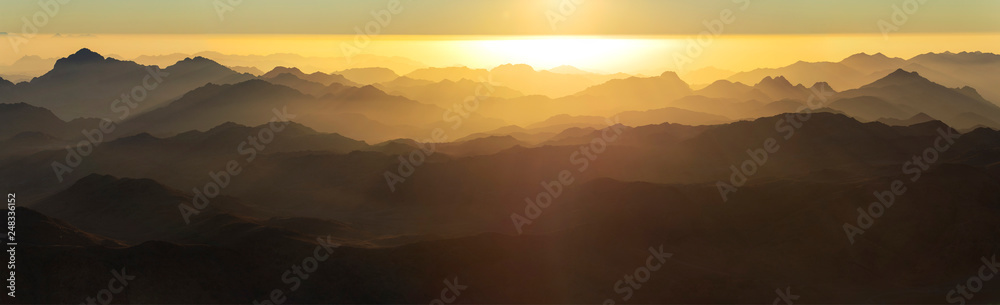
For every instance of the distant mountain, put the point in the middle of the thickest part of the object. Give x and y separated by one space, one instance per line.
638 90
706 75
21 117
976 69
915 119
869 108
291 81
368 76
480 146
779 88
910 91
670 115
520 77
447 93
398 64
248 70
733 90
365 112
86 84
567 69
868 64
317 77
526 79
449 73
29 66
403 81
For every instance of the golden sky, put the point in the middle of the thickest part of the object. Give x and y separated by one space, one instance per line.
633 36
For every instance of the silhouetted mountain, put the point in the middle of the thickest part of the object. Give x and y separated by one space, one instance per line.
868 64
5 85
308 87
317 77
779 88
670 115
911 92
368 76
22 117
86 84
447 93
403 81
131 210
726 89
915 119
450 73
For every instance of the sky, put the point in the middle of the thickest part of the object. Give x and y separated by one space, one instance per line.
499 17
632 36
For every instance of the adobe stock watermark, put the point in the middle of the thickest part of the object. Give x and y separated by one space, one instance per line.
974 284
551 190
380 20
119 281
900 15
300 272
785 296
454 288
759 156
915 168
562 12
455 115
30 26
94 137
630 283
220 180
695 47
223 7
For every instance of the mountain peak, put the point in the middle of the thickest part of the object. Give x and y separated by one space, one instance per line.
779 81
898 77
83 56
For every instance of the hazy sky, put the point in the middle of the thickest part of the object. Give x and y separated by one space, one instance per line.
499 17
634 36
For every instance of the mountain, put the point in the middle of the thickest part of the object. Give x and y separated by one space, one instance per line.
779 88
706 75
567 69
131 210
447 93
915 119
317 77
975 69
5 85
868 64
645 92
366 113
40 230
910 91
526 79
403 81
22 117
734 90
29 66
368 76
670 115
308 63
449 73
291 81
247 70
869 108
86 84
